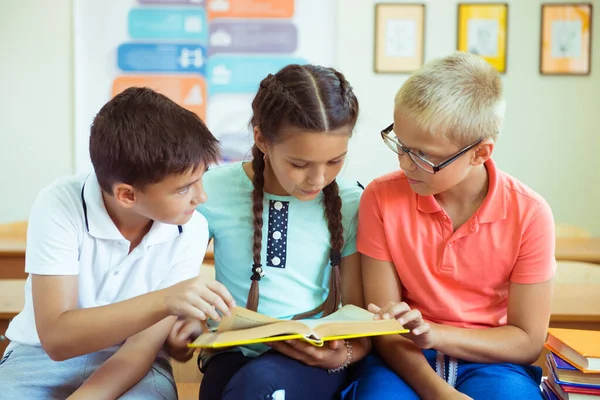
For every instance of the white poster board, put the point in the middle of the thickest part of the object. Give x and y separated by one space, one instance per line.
207 55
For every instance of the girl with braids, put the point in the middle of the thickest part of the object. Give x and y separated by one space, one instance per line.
284 233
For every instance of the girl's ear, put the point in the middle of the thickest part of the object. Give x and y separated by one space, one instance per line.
260 140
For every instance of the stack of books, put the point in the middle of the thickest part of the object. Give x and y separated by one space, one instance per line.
573 365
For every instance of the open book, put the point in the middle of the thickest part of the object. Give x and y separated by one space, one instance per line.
247 327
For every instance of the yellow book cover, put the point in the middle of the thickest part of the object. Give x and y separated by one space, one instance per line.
578 347
246 327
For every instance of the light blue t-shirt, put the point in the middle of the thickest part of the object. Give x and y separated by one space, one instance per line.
295 246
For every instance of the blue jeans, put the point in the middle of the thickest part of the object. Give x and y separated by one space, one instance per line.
373 379
270 376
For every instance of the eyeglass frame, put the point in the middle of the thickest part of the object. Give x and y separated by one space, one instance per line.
436 167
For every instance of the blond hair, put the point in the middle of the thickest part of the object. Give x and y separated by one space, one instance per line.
458 97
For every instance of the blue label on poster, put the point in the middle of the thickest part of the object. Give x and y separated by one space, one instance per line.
239 74
168 23
151 57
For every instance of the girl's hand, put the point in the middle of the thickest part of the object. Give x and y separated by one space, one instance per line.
422 333
332 355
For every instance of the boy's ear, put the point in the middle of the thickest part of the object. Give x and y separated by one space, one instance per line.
483 152
260 140
124 194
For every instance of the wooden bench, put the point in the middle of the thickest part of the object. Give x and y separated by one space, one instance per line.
12 300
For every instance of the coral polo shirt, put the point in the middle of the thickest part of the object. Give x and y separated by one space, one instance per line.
459 278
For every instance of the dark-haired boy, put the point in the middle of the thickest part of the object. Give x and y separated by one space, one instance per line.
113 257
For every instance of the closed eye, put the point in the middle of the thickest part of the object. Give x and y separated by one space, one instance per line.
299 166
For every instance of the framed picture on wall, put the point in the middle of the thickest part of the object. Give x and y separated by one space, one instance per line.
399 37
482 30
566 39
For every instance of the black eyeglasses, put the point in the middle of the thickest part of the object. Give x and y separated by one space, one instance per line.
390 139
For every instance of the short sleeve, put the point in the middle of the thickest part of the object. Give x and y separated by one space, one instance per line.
190 252
52 236
350 241
371 239
350 204
536 262
206 214
215 181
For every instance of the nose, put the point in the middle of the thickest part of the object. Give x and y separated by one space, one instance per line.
406 163
316 177
199 195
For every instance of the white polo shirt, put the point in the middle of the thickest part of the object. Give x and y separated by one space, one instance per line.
70 233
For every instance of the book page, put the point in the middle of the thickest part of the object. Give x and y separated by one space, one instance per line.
347 313
348 329
257 334
242 318
351 321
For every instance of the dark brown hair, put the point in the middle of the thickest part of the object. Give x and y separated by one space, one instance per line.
140 137
315 99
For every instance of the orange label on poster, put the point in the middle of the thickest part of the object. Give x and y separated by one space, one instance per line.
187 91
250 8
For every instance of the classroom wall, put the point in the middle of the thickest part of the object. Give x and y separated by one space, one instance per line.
550 139
551 135
36 102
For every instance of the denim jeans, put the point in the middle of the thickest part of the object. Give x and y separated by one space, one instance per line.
373 379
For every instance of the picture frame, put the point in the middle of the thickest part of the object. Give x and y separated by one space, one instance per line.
399 37
566 39
482 29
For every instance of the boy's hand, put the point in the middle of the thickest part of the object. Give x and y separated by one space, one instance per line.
421 332
183 332
198 298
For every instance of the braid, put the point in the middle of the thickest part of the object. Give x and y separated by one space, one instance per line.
275 93
333 214
345 87
258 166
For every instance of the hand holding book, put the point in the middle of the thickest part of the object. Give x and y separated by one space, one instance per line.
421 332
330 356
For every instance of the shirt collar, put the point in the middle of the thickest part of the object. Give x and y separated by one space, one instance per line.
493 207
100 225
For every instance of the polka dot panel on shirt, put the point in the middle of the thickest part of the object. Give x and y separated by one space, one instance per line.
277 237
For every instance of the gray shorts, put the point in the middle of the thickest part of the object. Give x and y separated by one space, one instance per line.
26 372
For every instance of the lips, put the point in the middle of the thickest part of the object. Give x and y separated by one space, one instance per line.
412 181
311 192
190 212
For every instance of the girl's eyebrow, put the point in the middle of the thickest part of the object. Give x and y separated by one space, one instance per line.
307 161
